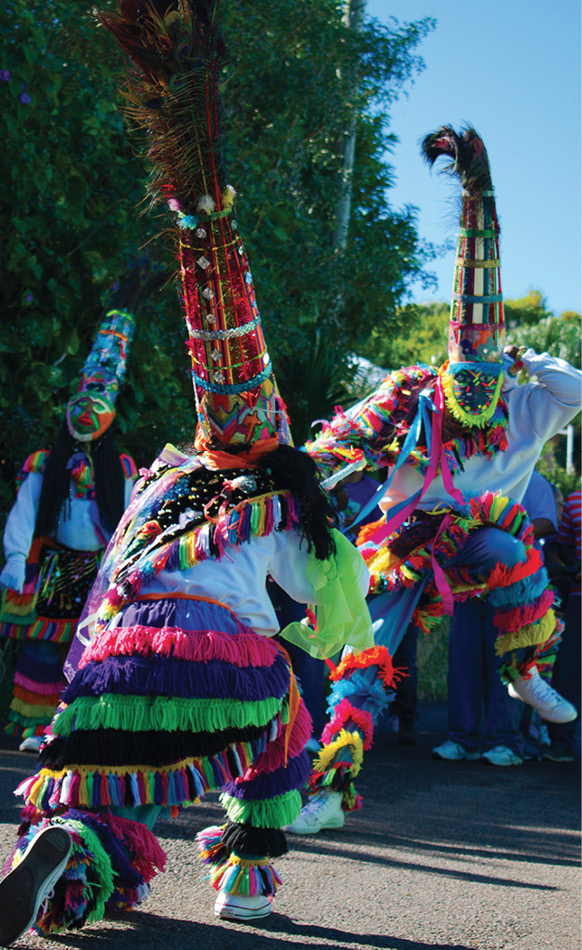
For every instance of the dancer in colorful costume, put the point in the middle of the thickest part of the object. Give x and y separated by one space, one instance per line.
69 501
460 443
176 683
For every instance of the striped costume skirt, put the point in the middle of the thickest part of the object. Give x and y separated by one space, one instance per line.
178 698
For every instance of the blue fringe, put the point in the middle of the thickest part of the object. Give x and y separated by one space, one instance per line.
363 690
525 591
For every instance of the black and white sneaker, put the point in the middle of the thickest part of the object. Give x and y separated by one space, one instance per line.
23 890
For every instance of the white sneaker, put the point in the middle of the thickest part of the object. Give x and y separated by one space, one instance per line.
502 755
241 906
324 810
454 752
539 694
32 744
23 890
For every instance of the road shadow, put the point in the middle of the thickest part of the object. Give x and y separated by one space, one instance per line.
153 932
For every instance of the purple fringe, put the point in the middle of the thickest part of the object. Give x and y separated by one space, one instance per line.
163 676
269 784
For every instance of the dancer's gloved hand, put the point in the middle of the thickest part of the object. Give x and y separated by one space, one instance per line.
13 572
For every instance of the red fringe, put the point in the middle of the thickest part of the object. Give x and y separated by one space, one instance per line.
375 656
504 576
517 617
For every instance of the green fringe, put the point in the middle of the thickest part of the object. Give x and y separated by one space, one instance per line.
142 713
101 862
272 813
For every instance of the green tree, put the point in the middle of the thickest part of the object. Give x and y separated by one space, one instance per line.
74 215
419 335
531 323
526 311
70 194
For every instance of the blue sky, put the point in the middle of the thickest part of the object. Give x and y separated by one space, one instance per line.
512 69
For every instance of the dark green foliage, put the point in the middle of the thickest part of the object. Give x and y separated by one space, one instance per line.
419 336
70 191
74 212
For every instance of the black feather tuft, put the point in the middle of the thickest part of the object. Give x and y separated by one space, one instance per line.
470 161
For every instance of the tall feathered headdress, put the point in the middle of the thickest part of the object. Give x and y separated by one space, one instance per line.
472 377
178 50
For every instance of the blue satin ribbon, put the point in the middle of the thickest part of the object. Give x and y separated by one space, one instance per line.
422 418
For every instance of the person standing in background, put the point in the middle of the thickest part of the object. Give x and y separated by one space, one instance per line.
69 501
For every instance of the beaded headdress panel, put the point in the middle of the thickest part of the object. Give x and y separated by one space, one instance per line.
90 411
473 374
178 50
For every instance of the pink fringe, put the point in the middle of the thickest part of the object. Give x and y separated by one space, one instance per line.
274 755
239 649
147 856
41 688
517 617
343 713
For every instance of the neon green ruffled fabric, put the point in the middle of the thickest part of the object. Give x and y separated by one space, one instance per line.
342 613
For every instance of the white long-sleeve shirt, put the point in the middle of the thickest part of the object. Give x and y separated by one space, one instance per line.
537 411
238 580
81 530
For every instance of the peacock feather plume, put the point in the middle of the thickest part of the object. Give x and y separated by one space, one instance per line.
177 51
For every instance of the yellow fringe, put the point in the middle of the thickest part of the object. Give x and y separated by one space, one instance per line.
188 541
32 712
327 755
383 562
247 862
467 418
528 636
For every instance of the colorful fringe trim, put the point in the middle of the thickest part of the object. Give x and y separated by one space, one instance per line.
375 429
234 874
198 646
142 546
139 713
35 463
179 680
274 813
376 656
343 713
185 782
336 766
110 866
51 631
524 615
359 694
38 682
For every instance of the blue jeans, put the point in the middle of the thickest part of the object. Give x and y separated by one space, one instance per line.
480 710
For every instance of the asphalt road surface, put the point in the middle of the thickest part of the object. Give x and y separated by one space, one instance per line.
443 856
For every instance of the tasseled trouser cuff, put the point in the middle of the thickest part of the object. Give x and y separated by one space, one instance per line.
361 691
233 869
110 866
258 806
